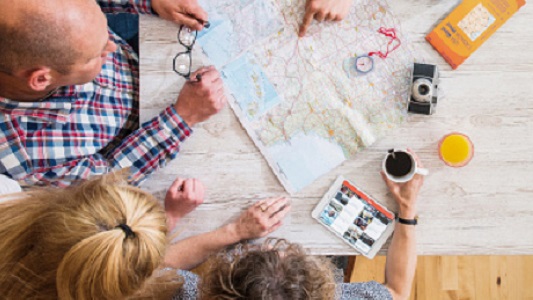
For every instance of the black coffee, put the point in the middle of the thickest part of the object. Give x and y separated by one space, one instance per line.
399 164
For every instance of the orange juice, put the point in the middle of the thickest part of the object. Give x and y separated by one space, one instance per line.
456 149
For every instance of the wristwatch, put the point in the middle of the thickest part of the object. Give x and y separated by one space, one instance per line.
408 221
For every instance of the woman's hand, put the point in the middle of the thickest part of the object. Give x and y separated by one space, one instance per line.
406 193
260 219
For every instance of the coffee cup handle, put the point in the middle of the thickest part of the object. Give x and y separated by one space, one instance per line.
422 171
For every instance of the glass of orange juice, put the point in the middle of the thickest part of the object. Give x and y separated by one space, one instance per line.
456 149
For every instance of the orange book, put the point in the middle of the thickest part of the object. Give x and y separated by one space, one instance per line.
468 26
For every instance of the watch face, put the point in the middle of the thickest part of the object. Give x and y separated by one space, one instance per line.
364 64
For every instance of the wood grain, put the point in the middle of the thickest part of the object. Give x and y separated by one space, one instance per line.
460 277
483 208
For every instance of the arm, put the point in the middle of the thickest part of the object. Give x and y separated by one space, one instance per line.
158 140
126 6
257 221
143 151
401 258
186 12
150 147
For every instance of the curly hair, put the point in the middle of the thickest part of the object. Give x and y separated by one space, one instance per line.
275 270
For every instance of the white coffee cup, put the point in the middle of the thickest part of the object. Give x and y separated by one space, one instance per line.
415 169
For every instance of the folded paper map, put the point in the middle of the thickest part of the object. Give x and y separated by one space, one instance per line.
294 96
468 26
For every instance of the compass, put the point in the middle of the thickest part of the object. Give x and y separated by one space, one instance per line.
364 64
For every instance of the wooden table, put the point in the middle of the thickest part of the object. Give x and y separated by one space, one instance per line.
483 208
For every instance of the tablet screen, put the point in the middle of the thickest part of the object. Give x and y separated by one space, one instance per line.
356 217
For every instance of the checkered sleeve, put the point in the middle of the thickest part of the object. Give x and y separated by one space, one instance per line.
14 159
145 150
152 146
126 6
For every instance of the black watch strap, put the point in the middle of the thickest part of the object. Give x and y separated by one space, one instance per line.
408 221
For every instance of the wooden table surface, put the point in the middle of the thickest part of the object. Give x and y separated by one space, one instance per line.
483 208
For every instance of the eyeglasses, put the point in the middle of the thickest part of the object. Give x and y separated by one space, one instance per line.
183 60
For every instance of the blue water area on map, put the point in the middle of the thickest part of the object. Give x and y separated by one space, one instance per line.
304 158
217 42
213 24
252 90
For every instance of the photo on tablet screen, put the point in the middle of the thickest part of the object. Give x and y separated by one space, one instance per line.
355 217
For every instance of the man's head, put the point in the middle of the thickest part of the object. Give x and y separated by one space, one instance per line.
50 43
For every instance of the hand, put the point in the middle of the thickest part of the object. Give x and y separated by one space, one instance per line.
406 193
199 100
183 196
186 12
261 218
328 10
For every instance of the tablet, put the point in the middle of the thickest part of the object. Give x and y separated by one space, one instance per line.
355 217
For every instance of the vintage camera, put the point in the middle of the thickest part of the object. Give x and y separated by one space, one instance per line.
424 89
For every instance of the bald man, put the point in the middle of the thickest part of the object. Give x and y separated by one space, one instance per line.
69 92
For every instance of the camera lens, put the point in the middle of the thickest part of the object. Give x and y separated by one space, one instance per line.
423 90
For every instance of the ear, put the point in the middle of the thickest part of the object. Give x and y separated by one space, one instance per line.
40 79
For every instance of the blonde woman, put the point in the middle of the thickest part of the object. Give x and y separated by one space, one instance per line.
104 239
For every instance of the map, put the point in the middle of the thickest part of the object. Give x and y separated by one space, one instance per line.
236 25
476 22
257 95
300 99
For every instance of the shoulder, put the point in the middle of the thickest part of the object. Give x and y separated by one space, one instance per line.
365 290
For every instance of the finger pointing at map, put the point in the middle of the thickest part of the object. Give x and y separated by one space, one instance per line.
324 10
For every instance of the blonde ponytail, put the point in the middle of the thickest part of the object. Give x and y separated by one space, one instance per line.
76 245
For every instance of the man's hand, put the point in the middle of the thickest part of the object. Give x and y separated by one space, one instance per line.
186 12
183 196
406 193
261 218
199 100
320 10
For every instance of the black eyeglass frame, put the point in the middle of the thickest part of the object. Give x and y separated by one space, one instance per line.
186 52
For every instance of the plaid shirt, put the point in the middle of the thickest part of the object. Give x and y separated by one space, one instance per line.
92 129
